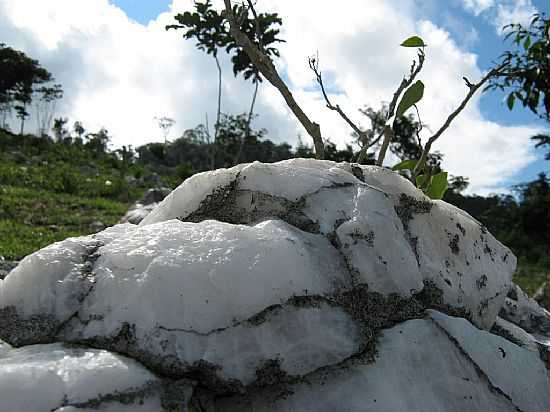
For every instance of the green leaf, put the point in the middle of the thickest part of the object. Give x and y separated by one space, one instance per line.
422 181
510 101
527 43
411 96
405 165
438 186
413 41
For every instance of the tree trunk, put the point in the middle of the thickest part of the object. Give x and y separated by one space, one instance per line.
217 125
247 131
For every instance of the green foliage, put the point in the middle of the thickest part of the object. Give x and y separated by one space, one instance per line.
405 165
19 74
211 29
413 41
31 219
411 96
527 75
438 186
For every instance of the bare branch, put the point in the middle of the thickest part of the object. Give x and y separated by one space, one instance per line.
406 82
388 136
420 165
314 65
264 64
415 69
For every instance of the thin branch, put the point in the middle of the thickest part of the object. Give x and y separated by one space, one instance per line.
264 64
472 89
404 84
314 65
388 137
415 69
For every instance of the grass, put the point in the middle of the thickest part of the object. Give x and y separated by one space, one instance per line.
31 219
530 277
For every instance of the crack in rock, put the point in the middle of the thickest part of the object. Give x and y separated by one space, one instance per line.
408 206
482 375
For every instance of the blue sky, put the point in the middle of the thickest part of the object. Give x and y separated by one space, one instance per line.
121 69
450 14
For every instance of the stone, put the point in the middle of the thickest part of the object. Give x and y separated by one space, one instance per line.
301 285
69 378
542 295
145 205
525 312
6 266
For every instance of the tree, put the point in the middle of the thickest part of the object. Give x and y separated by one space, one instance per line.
78 128
405 97
18 75
527 75
98 141
210 29
165 124
527 72
45 106
59 130
206 25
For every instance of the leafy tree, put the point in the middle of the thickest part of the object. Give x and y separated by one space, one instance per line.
206 25
78 128
165 124
45 106
210 28
406 96
59 130
18 74
98 142
527 71
527 75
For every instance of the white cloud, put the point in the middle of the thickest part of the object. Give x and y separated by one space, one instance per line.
477 6
516 11
120 74
502 12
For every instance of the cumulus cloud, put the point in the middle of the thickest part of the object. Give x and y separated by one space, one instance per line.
502 12
477 6
120 74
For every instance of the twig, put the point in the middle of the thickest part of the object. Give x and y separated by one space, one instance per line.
404 84
264 64
314 65
415 69
420 165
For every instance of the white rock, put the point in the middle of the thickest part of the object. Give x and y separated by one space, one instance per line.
502 362
271 276
417 368
55 377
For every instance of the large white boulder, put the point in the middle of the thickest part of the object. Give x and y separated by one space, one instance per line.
250 282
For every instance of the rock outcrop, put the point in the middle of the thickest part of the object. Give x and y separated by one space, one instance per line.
302 285
145 205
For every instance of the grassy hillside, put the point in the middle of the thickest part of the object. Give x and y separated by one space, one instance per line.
32 218
53 190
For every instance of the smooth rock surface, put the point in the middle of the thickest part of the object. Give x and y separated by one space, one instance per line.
57 377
